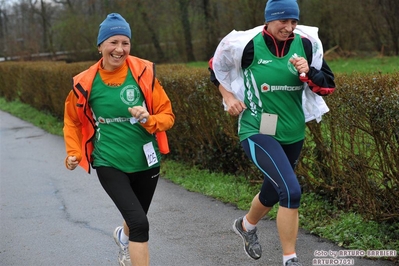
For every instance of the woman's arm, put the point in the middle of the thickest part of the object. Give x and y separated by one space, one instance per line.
163 117
320 81
234 106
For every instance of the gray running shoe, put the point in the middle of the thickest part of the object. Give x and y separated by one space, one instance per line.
251 245
123 257
293 262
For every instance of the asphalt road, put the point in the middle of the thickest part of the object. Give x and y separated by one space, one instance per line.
52 216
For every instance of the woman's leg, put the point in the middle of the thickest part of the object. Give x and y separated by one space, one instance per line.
143 185
132 194
287 226
280 185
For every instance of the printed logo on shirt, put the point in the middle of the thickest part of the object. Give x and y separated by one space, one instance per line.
130 95
315 47
291 68
103 120
271 88
264 61
264 87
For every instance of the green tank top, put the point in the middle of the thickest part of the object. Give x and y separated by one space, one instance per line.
272 86
117 142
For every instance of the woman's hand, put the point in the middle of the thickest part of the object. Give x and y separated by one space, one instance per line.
71 162
301 64
139 112
234 106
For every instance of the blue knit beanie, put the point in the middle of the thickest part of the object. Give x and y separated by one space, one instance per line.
113 25
281 9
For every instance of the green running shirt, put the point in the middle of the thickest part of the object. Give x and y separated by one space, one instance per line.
272 85
117 142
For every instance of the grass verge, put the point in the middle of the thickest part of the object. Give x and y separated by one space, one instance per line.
348 230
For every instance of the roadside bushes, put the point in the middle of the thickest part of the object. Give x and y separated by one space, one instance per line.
351 158
203 135
43 85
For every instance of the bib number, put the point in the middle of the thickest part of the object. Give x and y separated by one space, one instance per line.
150 154
268 124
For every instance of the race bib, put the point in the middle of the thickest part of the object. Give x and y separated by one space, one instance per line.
150 154
268 124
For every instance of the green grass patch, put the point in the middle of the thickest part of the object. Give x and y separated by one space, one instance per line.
199 64
27 113
353 232
226 188
370 65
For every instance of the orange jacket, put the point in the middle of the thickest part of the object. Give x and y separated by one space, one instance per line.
79 124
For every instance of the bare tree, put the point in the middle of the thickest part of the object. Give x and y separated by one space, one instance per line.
252 12
210 30
43 10
389 10
3 29
67 3
153 33
186 30
376 33
183 6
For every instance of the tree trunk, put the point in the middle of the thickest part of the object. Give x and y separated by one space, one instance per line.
183 5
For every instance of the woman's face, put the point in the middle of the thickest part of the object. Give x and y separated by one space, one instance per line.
115 50
281 29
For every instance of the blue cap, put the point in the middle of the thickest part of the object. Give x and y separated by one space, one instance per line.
281 9
113 25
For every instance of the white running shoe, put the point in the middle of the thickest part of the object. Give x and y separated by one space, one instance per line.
123 257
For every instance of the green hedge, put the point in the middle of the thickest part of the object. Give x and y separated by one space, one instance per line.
350 158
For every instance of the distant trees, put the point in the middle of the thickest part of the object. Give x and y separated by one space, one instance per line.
389 9
185 30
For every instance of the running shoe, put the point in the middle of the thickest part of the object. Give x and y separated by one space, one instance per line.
251 245
293 262
123 257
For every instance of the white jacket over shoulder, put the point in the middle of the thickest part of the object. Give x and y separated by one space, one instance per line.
226 64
